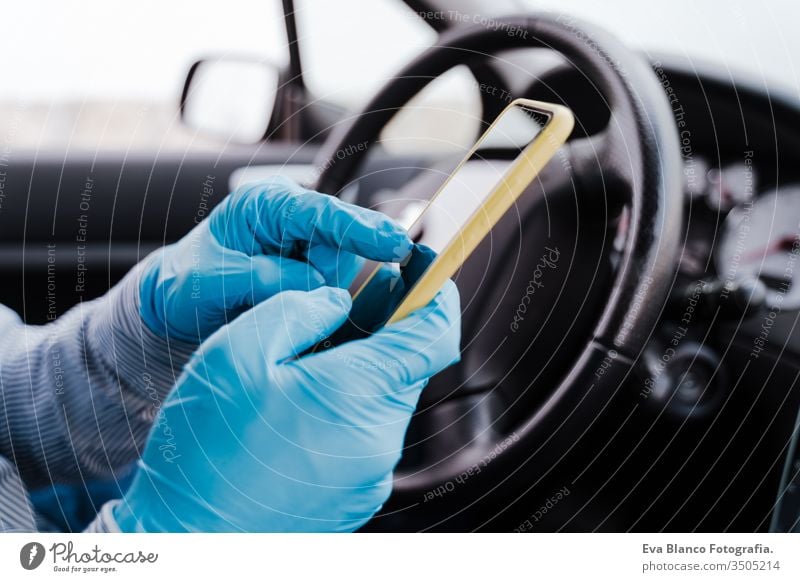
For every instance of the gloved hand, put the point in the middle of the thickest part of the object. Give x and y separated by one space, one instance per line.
254 438
264 238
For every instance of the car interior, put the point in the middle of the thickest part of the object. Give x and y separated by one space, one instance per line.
649 379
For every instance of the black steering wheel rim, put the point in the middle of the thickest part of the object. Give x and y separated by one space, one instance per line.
639 154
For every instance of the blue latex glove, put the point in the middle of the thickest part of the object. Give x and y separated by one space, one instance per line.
264 238
254 438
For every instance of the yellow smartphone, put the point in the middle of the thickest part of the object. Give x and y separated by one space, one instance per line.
450 226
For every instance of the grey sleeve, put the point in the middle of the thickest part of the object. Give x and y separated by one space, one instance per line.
78 396
16 513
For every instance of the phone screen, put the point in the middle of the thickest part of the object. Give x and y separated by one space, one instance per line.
434 225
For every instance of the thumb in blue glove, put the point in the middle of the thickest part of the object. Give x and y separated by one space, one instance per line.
260 439
264 238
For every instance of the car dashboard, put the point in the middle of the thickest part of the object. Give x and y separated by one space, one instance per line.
720 400
702 445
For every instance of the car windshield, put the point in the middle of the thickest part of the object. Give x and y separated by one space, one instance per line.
114 83
740 36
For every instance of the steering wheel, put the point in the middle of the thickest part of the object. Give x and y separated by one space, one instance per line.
622 184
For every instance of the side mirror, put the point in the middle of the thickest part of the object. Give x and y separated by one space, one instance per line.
231 98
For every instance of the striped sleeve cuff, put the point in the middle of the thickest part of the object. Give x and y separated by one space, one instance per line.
146 363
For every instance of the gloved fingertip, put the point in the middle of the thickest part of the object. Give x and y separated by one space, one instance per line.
340 298
315 278
402 250
301 275
318 282
397 237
